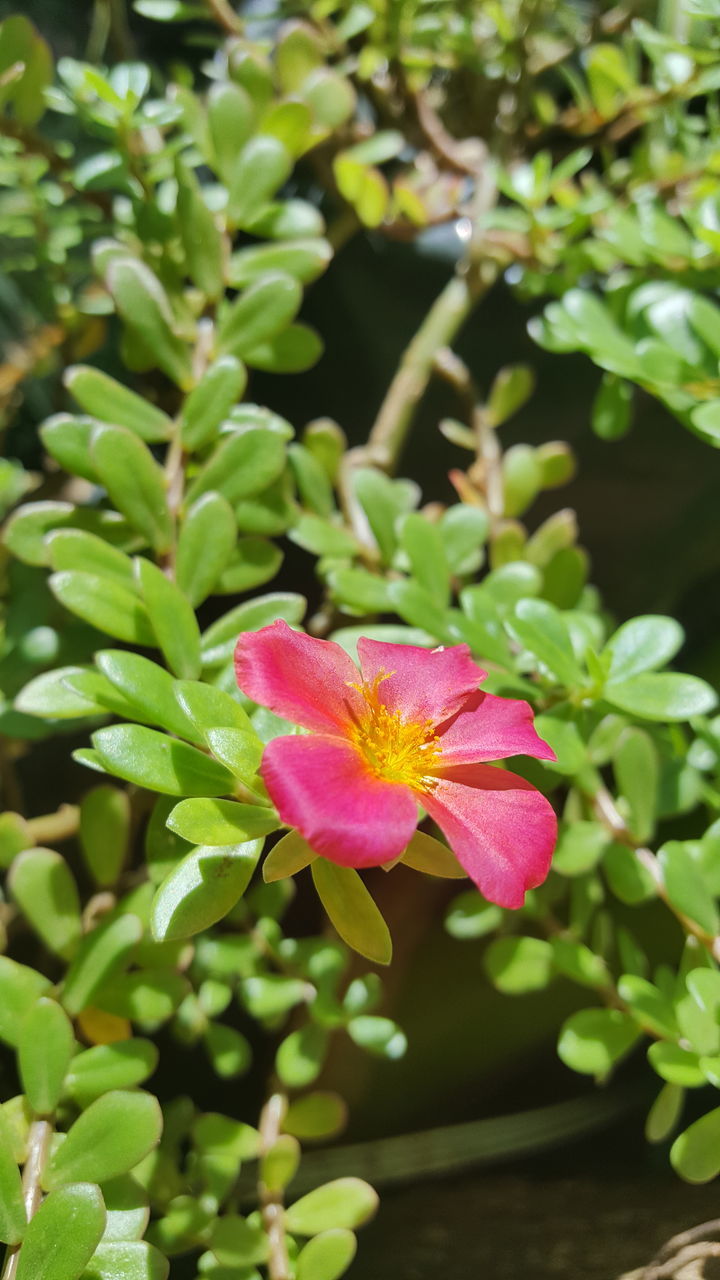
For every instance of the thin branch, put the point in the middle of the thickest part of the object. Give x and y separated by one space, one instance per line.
226 17
439 329
39 1139
53 827
271 1202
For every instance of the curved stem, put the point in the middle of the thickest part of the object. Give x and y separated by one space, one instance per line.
439 329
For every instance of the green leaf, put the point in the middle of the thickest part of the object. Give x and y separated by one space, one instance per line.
77 549
228 1050
542 629
313 482
301 1055
231 115
327 1256
240 752
470 916
346 1203
221 822
101 954
244 463
24 533
666 695
425 853
511 388
20 987
172 618
63 1235
579 963
127 1260
104 604
13 1219
105 832
142 302
304 259
279 1164
686 887
648 1005
44 888
290 855
134 482
200 235
593 1040
253 563
107 1067
207 540
127 1208
160 763
322 537
521 478
664 1113
695 1154
146 996
612 408
352 911
50 697
380 1036
265 308
141 688
294 350
209 403
259 170
637 770
111 1137
237 1243
272 996
202 889
218 642
676 1066
519 965
642 644
316 1116
45 1047
109 401
206 707
423 544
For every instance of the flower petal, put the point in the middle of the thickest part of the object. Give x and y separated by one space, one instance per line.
491 728
422 684
305 680
501 829
322 787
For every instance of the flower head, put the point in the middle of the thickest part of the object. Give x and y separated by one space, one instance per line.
410 728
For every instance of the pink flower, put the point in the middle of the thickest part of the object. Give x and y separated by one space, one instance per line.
411 728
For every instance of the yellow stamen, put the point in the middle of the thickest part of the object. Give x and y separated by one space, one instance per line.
396 750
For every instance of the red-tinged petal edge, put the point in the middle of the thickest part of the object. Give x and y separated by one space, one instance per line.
421 684
490 728
501 829
300 678
322 787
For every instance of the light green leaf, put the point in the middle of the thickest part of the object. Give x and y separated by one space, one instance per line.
12 1209
20 987
345 1203
202 889
160 763
221 822
105 832
111 1137
695 1154
44 888
109 401
104 604
593 1040
327 1256
106 1067
45 1047
352 911
642 644
209 403
135 483
63 1234
542 629
206 542
142 302
519 965
666 695
172 618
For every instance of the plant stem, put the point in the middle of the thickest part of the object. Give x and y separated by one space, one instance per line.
52 827
226 17
271 1202
439 328
39 1139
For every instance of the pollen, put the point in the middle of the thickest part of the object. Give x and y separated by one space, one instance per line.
396 750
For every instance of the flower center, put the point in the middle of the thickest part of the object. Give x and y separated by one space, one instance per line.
396 750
